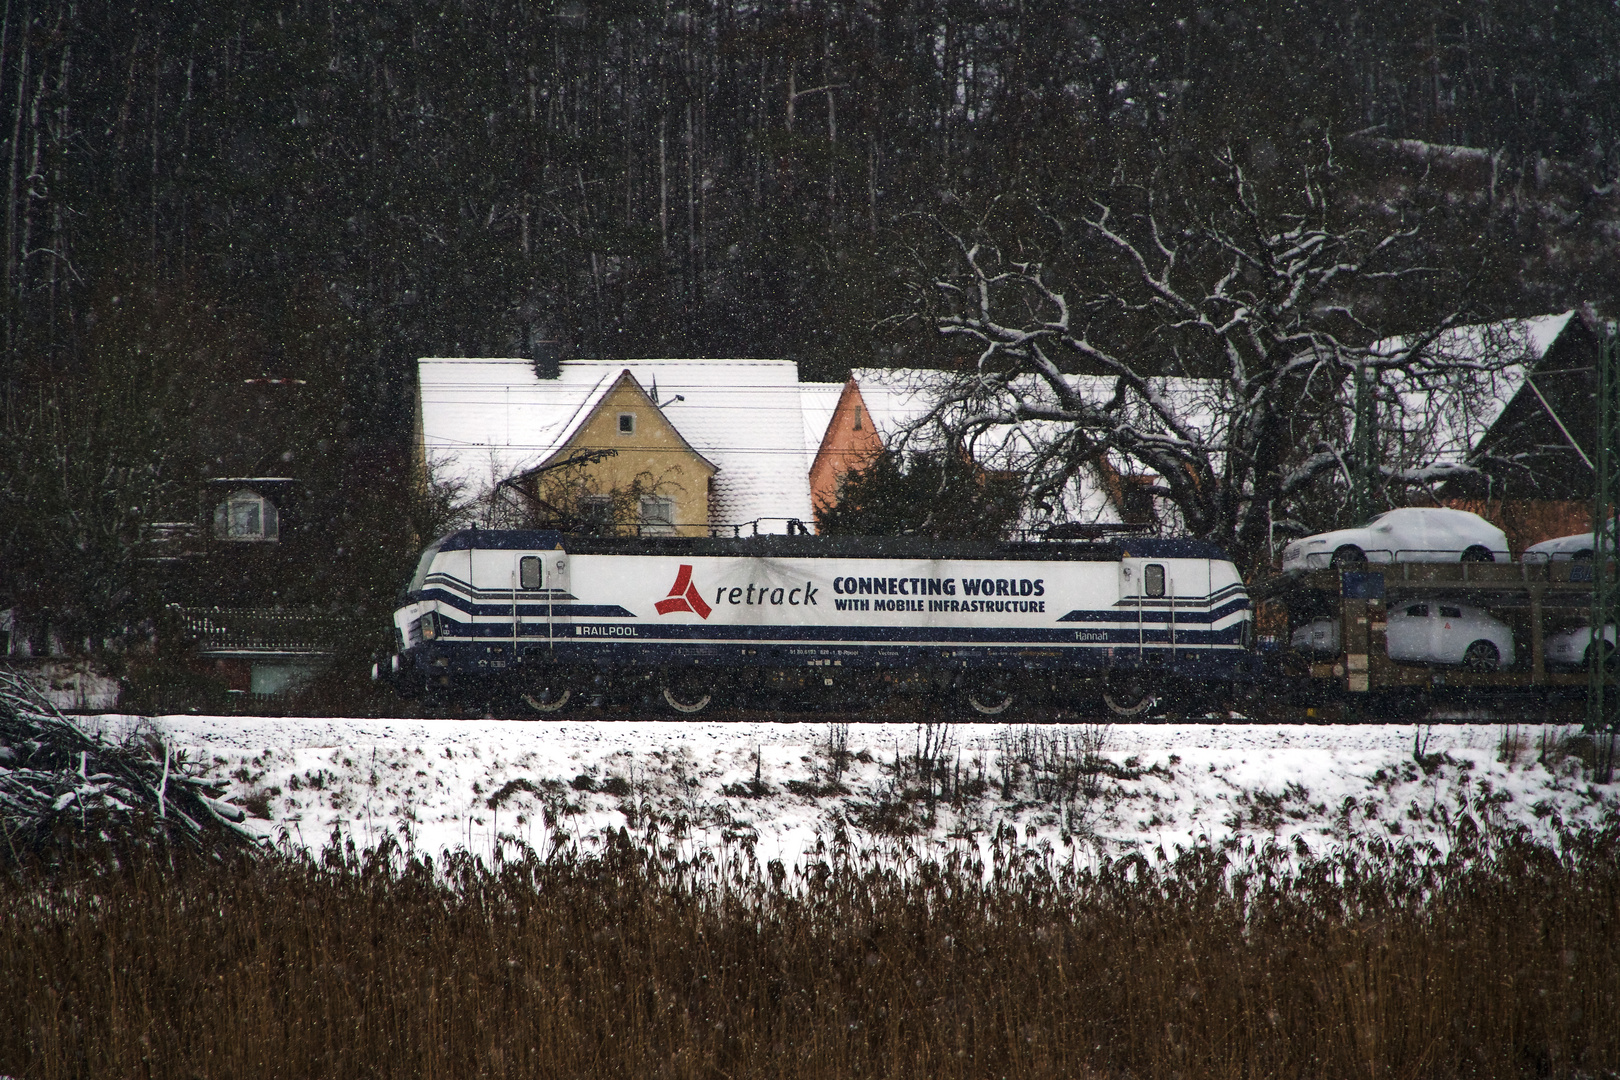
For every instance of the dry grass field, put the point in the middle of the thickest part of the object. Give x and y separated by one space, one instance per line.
1498 958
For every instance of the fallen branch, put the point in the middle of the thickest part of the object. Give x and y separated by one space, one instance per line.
61 788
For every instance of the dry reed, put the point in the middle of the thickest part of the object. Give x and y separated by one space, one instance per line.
1497 959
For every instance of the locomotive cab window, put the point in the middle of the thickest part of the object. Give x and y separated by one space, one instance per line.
1153 579
529 572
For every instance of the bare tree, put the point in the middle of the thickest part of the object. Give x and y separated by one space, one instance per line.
1196 327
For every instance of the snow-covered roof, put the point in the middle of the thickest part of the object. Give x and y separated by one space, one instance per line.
1448 417
817 403
488 418
1443 418
899 398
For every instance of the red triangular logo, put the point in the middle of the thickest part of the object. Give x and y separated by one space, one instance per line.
683 596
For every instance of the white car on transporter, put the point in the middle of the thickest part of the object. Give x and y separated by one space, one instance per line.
1408 534
1578 546
1448 632
1427 632
1576 647
1321 635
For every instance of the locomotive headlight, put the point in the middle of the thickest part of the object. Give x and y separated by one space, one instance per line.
430 627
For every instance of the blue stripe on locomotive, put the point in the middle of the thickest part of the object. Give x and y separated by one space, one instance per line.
1189 659
1199 650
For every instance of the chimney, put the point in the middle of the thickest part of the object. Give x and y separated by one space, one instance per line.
547 359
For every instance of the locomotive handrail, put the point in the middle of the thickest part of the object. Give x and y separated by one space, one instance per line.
714 530
793 526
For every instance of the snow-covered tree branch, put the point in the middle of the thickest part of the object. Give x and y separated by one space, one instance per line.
1200 331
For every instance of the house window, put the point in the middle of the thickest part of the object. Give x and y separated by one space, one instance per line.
247 515
1136 502
657 516
857 418
596 513
627 423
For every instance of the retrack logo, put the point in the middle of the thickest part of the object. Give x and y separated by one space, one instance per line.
683 596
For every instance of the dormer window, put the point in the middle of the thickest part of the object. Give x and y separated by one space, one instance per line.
627 423
246 515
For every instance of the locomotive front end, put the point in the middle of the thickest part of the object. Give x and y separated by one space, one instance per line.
475 597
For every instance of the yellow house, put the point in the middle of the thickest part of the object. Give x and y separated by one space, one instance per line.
622 468
687 446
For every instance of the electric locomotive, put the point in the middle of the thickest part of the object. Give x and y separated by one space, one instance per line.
547 621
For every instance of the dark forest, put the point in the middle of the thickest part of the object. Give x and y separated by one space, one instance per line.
199 194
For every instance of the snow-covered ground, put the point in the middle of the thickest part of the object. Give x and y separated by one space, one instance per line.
439 784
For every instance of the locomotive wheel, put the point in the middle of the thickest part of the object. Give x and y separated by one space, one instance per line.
989 700
1129 697
686 695
548 699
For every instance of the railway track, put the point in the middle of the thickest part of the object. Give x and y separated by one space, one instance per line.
1563 708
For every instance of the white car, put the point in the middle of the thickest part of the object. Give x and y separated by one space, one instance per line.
1410 534
1573 648
1448 632
1317 636
1579 546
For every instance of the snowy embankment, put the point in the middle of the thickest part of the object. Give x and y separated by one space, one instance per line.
438 784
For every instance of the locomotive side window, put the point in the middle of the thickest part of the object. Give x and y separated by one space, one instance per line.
1418 611
1450 612
1153 579
529 572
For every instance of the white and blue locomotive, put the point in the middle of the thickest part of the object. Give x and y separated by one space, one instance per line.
547 619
